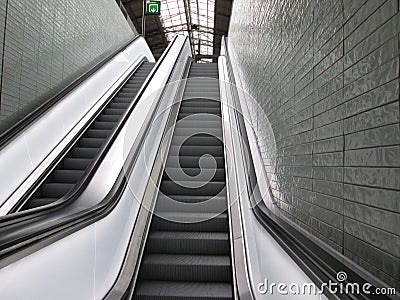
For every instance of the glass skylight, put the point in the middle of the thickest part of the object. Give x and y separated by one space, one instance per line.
197 21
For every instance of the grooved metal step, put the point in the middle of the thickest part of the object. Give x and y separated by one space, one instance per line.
91 142
76 163
192 199
183 221
195 188
193 162
181 175
195 102
203 109
188 132
188 267
67 176
196 140
183 290
208 243
198 150
203 120
205 116
97 133
71 168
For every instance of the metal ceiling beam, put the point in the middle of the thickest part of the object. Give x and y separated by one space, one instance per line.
198 18
177 30
207 33
132 17
189 24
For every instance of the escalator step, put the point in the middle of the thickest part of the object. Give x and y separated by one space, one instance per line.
40 202
133 85
129 89
97 133
141 72
214 205
198 150
187 132
123 100
211 95
110 118
126 95
183 290
196 140
179 221
193 162
204 72
76 163
113 111
192 199
199 124
90 142
56 190
188 173
195 92
67 176
194 188
198 75
208 116
81 152
186 267
201 110
196 102
118 105
103 125
176 242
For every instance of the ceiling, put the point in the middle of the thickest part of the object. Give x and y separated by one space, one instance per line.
204 21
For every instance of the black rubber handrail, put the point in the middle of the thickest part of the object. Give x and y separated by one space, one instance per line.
11 133
315 261
54 225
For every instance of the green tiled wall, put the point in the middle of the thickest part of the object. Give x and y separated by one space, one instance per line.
45 45
326 75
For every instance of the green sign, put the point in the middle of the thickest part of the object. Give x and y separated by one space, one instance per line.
153 8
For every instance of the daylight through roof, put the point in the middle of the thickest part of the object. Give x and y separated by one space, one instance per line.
194 18
204 21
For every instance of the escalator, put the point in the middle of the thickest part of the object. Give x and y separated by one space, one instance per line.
77 160
187 254
187 251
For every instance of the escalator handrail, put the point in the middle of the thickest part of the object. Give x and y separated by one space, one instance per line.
15 130
315 261
10 250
